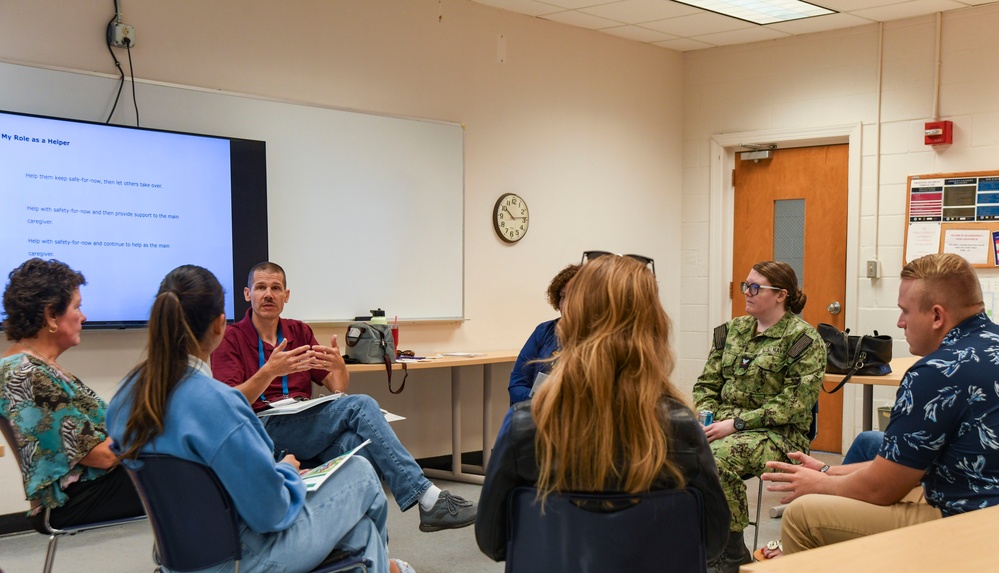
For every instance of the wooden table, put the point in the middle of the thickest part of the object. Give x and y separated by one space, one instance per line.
898 367
960 543
487 360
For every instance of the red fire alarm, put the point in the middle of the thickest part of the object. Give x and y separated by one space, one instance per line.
938 133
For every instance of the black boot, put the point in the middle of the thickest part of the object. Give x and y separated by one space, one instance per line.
735 554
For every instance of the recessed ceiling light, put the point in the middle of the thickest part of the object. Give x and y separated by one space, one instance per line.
761 11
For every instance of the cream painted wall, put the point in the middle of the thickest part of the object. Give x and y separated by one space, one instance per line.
585 126
831 79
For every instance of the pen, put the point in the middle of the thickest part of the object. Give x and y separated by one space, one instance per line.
279 455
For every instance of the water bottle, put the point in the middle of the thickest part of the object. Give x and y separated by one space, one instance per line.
378 317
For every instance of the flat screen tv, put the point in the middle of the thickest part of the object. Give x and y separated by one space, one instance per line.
125 205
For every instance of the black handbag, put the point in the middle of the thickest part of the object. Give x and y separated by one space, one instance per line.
845 354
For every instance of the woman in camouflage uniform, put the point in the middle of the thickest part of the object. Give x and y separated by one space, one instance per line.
761 381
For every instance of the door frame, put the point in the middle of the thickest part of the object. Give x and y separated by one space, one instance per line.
721 201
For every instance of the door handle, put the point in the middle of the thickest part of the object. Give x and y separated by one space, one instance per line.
834 307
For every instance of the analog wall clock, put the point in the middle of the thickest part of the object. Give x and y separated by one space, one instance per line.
511 217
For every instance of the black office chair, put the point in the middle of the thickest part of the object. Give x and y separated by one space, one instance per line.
194 521
595 533
46 528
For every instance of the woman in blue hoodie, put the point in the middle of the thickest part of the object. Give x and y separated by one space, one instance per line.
169 404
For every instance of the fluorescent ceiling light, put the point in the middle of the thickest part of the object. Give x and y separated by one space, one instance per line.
760 11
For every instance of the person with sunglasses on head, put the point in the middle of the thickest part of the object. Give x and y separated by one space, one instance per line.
608 418
761 381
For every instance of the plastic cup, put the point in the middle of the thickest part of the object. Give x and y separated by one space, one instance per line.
395 336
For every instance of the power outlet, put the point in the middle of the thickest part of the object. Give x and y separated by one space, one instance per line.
874 269
121 35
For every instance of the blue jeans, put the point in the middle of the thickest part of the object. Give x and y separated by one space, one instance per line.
864 448
326 431
348 512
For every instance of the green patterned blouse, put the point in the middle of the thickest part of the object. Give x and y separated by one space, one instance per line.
56 420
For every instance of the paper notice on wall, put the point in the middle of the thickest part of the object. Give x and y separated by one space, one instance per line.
922 239
990 292
973 245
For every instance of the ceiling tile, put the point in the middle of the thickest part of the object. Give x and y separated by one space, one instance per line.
909 9
576 18
822 24
528 7
698 24
638 11
577 4
684 45
639 34
742 36
850 5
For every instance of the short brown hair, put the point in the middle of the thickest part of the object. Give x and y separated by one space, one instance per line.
35 287
561 279
267 267
948 280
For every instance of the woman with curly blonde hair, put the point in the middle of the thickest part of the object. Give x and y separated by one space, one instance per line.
609 418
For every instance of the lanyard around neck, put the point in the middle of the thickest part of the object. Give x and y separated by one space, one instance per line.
260 348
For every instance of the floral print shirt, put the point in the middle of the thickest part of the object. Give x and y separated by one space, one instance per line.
946 419
56 421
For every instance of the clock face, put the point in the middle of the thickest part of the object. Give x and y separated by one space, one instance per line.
511 218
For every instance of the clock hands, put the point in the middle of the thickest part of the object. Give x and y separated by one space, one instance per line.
512 216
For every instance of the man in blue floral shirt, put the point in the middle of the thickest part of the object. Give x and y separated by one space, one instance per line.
940 454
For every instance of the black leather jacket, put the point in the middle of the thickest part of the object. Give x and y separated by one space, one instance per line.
513 464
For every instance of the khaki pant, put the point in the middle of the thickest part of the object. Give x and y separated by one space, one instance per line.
816 520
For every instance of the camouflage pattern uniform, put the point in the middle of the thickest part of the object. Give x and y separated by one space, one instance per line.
772 384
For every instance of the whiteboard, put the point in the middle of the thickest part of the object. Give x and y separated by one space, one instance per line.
364 211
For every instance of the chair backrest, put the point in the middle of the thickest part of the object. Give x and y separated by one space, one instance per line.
192 515
8 433
596 533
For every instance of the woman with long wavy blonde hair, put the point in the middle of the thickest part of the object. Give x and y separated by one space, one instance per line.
609 417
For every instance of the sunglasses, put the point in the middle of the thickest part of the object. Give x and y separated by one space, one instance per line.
647 261
754 289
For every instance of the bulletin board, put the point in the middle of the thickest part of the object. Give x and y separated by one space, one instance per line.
953 213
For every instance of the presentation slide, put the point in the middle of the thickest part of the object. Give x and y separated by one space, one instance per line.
123 206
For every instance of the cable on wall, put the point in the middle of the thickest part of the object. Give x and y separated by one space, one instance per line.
117 64
122 35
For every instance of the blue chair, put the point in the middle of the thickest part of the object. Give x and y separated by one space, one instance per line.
594 533
194 521
46 528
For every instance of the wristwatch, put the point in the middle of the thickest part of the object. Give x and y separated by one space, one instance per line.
739 424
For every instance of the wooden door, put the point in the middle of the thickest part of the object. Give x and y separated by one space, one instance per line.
817 178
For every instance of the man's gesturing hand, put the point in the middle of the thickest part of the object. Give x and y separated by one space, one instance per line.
283 362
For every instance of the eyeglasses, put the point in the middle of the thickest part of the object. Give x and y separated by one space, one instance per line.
647 261
754 289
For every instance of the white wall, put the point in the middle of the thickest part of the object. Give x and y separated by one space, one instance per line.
831 79
585 126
